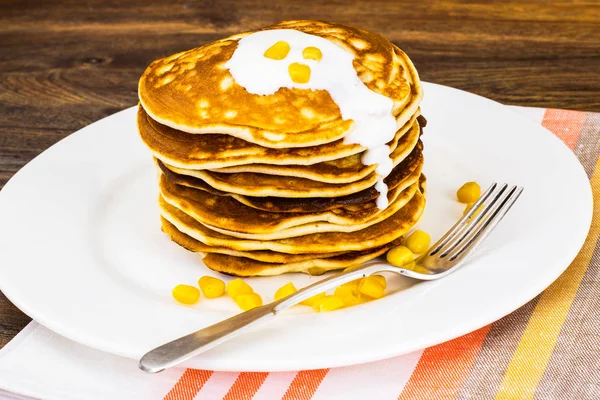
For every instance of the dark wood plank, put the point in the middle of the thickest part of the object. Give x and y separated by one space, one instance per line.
65 64
11 320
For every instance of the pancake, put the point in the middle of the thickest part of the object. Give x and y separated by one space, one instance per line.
265 185
407 167
194 92
344 170
239 266
267 256
323 227
228 213
228 216
374 236
268 263
214 151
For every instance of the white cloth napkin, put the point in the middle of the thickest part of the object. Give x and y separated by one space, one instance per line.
42 364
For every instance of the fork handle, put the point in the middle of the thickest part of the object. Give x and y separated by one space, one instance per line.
182 349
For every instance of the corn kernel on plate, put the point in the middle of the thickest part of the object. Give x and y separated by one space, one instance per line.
81 249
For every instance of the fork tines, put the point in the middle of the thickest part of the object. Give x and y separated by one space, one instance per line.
476 224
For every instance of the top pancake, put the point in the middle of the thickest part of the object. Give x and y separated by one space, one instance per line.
194 92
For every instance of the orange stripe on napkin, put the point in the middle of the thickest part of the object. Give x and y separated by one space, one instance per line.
188 386
442 369
305 384
565 124
246 385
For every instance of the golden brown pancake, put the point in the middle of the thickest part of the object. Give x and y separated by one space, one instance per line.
407 167
212 151
228 216
265 263
323 227
374 236
343 170
194 92
239 266
265 185
267 256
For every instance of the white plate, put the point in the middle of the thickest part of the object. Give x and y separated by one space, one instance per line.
81 249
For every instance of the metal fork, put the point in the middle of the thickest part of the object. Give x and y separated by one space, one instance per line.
443 258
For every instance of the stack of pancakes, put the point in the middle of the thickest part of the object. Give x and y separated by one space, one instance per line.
266 184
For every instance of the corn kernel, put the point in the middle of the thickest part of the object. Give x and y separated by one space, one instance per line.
418 241
237 287
400 255
300 73
349 288
348 295
371 287
328 303
380 279
468 193
211 287
312 53
248 301
186 294
285 291
278 51
420 269
469 206
311 300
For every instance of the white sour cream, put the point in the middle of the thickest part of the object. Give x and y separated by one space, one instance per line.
374 124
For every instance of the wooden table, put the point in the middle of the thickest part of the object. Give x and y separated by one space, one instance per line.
63 65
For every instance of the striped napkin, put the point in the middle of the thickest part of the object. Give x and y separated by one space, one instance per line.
548 349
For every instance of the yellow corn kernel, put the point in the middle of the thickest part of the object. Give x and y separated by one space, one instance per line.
285 291
350 287
312 53
469 206
420 269
248 301
468 193
371 287
328 303
348 295
311 300
186 294
278 51
380 279
418 241
300 73
211 287
400 255
237 287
